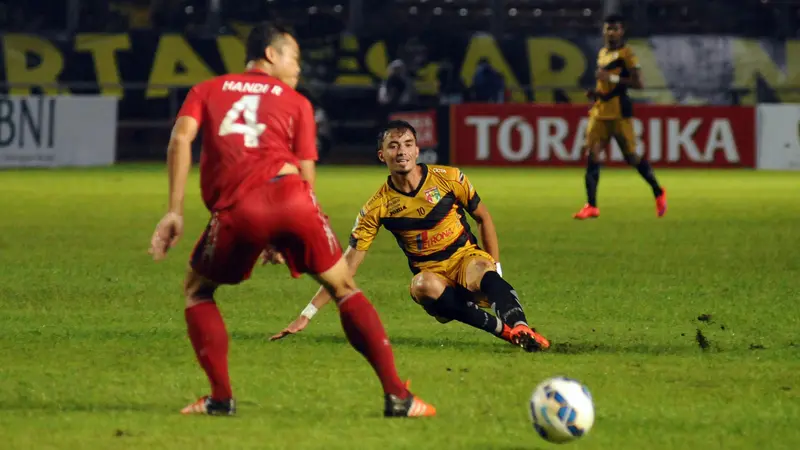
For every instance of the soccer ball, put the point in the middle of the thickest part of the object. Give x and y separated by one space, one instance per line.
561 410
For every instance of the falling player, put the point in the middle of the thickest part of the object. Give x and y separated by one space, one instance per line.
610 116
256 176
424 208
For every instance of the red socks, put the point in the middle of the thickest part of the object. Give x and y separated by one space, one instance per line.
360 321
210 341
365 332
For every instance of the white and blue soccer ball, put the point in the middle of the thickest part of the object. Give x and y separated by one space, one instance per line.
561 410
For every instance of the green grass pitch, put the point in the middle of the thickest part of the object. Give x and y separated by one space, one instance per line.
94 353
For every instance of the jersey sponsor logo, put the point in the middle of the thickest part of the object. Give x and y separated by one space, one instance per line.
398 210
393 202
251 88
438 170
426 240
433 195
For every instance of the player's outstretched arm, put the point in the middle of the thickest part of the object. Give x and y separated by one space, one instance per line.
488 232
179 161
354 259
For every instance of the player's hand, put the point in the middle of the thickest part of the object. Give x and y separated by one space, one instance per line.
295 327
167 234
272 256
602 75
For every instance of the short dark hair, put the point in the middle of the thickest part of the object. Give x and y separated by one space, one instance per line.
615 18
262 36
400 125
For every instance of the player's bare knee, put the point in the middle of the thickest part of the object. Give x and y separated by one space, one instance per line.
475 272
338 281
343 289
198 289
340 288
426 286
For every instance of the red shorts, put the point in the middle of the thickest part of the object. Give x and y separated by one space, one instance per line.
282 213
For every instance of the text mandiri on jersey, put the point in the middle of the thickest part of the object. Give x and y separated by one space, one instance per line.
252 88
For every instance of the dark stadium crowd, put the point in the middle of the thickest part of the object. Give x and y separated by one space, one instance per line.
421 43
780 18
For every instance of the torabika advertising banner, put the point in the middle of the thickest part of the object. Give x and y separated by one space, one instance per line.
554 135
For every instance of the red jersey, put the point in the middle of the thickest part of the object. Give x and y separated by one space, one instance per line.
252 124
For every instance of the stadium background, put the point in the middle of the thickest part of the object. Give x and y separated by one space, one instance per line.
682 327
147 54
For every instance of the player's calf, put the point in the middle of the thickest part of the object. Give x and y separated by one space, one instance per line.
504 298
443 303
506 303
646 171
481 276
209 339
363 327
592 180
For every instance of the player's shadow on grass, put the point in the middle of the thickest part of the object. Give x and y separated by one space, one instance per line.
88 408
409 341
642 348
495 346
494 446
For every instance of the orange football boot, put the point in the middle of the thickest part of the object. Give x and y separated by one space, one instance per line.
587 212
528 339
506 334
411 406
661 203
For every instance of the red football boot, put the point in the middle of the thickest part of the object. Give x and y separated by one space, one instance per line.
661 203
587 212
529 339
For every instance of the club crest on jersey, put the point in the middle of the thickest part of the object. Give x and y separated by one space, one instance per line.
432 195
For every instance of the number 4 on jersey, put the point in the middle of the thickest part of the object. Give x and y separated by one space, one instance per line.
246 108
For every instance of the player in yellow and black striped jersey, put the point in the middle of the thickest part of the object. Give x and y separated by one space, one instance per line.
610 116
425 208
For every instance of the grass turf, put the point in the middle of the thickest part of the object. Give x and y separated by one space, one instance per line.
94 354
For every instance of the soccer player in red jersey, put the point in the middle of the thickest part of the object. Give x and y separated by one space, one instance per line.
256 174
